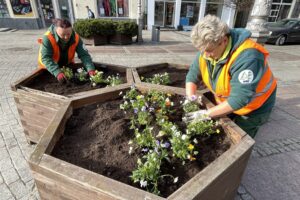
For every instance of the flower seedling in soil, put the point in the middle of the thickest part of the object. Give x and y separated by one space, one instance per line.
68 73
160 136
161 79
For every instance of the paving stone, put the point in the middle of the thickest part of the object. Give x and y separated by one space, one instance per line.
5 193
246 197
18 189
1 180
10 176
11 143
241 190
5 164
25 174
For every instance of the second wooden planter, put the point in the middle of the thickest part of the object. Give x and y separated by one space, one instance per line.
37 108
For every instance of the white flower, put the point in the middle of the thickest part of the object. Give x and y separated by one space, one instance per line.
130 142
195 141
175 180
184 137
143 183
185 102
79 70
94 84
120 93
130 150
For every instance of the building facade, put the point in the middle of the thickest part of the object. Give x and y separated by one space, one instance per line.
35 14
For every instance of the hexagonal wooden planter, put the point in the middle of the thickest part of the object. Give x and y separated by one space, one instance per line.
57 179
177 73
37 108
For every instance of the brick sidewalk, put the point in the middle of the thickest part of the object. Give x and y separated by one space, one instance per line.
273 170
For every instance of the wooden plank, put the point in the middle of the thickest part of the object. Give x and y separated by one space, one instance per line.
136 76
85 183
43 93
119 68
52 133
99 95
35 110
221 178
129 76
147 68
38 99
35 119
178 66
26 79
31 135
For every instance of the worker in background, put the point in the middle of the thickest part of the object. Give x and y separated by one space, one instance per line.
58 47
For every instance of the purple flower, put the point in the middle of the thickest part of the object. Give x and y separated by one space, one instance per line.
157 142
193 97
145 149
151 109
165 145
135 110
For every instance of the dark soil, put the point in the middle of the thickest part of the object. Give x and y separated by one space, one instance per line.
177 76
96 138
48 83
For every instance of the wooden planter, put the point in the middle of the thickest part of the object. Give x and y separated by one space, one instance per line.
96 40
57 179
37 108
142 71
120 39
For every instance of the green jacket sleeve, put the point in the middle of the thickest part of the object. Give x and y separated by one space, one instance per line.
245 73
84 56
47 57
194 71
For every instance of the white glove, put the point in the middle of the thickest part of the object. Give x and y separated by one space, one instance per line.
200 115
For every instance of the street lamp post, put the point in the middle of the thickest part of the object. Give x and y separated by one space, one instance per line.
258 19
140 22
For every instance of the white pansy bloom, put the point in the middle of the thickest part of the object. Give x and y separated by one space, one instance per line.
79 70
176 180
184 137
143 183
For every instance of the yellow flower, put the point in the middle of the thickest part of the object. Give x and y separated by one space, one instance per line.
169 95
192 158
191 147
218 131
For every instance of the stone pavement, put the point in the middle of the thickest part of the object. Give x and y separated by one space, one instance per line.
273 170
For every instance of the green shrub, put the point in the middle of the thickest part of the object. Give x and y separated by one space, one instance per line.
89 27
126 28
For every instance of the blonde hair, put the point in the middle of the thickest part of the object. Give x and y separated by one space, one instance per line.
208 31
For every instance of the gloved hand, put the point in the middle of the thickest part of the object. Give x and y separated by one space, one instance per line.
92 72
200 115
61 77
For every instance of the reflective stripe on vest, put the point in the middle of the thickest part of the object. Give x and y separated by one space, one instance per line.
56 50
265 86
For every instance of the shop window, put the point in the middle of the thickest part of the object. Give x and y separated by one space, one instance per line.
113 8
48 11
3 9
189 13
214 9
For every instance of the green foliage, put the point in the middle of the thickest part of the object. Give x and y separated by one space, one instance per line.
126 28
114 80
87 28
190 105
81 75
160 79
97 78
90 27
68 72
202 128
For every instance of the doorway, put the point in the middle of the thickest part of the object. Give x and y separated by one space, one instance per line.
164 13
48 11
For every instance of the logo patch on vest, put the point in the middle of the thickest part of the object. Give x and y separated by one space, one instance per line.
246 76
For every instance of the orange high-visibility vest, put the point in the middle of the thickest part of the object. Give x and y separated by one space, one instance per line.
264 89
56 51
